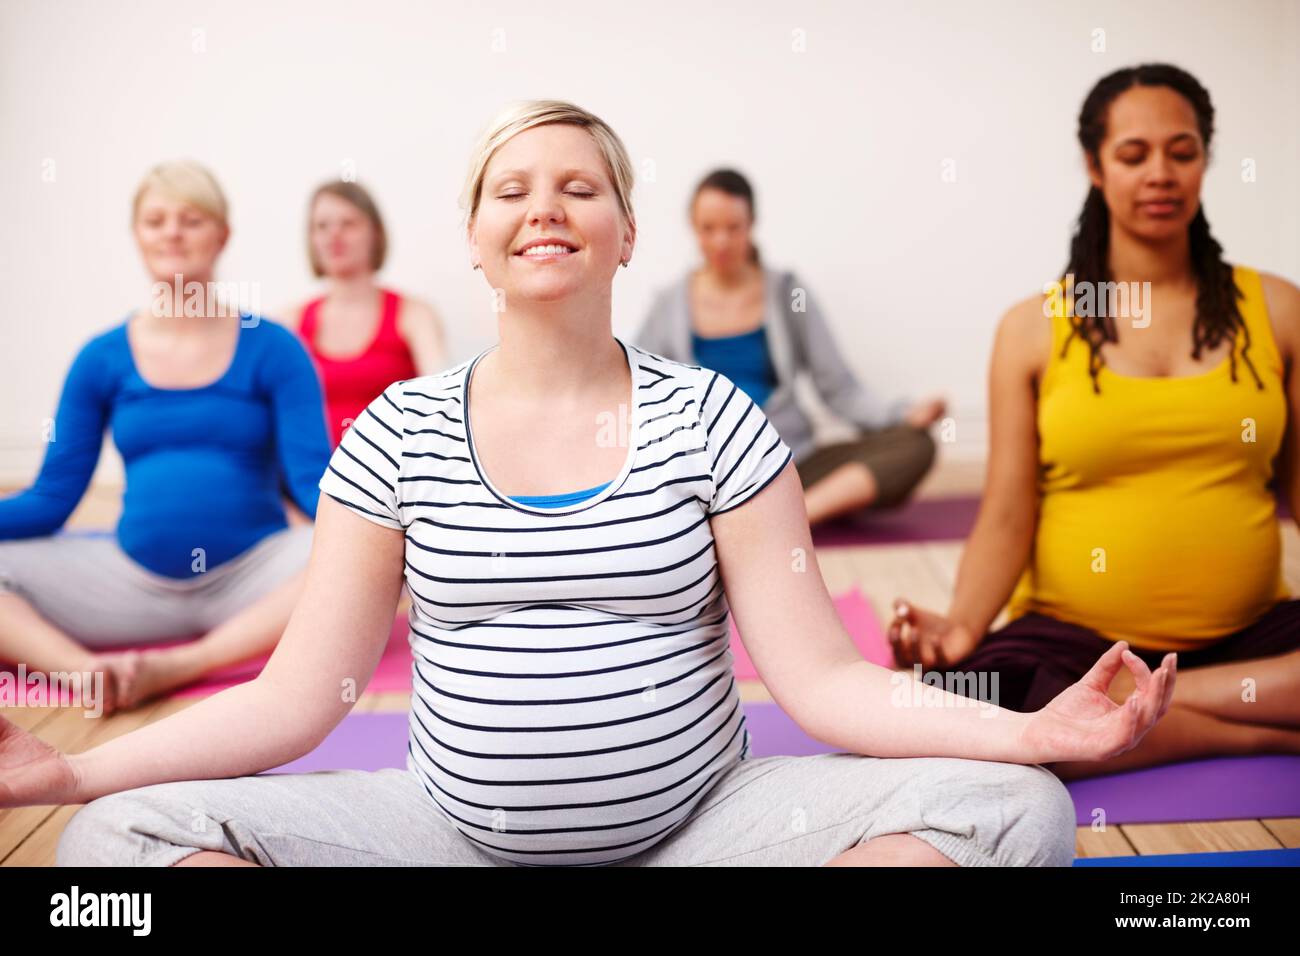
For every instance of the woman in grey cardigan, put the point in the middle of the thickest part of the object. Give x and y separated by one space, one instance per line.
760 327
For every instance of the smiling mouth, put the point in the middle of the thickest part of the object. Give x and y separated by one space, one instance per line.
551 251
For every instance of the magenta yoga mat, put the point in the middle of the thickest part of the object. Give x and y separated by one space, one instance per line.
393 673
394 670
1225 788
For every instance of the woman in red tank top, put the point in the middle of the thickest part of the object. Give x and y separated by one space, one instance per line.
362 337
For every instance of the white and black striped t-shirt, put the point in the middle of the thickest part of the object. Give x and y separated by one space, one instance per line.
573 689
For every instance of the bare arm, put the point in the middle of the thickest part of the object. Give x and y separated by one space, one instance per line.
999 545
423 333
1283 301
331 646
810 665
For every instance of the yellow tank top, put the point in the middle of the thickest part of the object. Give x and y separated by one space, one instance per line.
1156 525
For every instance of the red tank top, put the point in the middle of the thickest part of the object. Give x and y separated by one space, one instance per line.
353 383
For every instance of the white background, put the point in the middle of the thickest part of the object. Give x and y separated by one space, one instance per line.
845 143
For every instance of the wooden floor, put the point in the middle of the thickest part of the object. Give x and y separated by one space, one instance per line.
924 572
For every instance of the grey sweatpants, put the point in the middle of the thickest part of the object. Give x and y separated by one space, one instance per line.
94 592
764 811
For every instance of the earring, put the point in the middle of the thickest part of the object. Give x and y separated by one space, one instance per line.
477 266
624 261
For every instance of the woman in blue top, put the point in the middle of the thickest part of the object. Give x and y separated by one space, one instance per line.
217 414
761 327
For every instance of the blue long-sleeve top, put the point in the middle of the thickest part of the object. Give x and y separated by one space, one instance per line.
205 467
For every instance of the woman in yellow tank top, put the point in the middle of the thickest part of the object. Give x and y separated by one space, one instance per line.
1128 494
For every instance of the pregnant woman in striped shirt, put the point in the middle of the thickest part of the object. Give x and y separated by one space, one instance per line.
574 701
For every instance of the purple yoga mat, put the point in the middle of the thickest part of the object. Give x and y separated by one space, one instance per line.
925 519
928 519
1225 788
359 742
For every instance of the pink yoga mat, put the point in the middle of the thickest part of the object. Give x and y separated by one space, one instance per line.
859 619
394 670
1226 788
392 674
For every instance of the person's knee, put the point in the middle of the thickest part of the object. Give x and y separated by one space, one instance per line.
96 834
921 452
909 461
126 829
1039 818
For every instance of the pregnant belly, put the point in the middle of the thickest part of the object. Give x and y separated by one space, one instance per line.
1173 577
180 522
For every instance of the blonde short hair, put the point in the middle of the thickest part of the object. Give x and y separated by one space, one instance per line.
186 181
526 114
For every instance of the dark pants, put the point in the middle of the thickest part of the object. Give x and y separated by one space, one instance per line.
898 457
1036 656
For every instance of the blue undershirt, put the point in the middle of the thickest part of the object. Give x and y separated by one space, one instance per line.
742 358
205 467
561 500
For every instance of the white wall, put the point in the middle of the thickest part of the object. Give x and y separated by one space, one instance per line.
845 143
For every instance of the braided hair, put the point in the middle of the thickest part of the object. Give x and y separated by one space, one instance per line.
1218 316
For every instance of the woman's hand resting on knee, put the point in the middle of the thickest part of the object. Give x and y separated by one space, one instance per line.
918 636
1083 723
32 773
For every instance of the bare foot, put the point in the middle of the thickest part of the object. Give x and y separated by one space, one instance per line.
157 671
119 669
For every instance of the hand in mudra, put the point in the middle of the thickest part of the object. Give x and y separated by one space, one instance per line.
926 412
918 636
1084 723
32 773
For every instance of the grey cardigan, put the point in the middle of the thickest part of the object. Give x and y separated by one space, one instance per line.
798 342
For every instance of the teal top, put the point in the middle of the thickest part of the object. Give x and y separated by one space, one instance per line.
561 500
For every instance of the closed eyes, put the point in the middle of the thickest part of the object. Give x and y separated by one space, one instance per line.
580 195
1183 158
